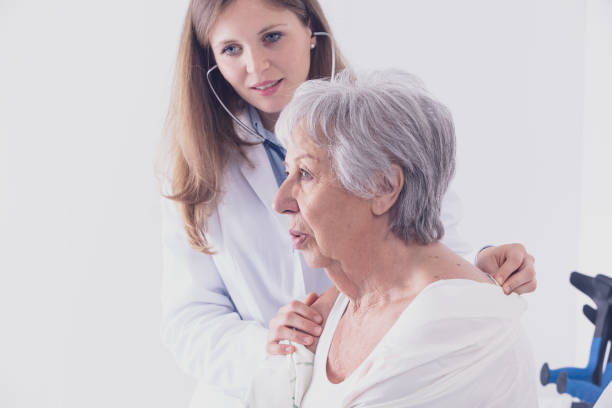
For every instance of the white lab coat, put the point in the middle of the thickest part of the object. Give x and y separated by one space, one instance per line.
216 309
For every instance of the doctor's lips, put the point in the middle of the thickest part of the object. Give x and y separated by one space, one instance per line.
266 88
298 238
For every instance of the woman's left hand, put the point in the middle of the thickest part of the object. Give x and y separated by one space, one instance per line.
511 266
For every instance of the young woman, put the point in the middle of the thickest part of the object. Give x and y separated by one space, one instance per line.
229 264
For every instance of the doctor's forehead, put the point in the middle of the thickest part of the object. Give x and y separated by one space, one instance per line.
249 17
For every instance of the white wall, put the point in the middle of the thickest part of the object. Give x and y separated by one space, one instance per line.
83 91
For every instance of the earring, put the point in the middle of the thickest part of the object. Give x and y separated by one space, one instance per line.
313 45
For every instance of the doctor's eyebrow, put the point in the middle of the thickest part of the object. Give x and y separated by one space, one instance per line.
271 26
263 30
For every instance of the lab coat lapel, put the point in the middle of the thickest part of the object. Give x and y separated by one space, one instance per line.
257 170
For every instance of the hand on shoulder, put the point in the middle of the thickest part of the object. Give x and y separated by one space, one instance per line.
300 322
323 305
511 265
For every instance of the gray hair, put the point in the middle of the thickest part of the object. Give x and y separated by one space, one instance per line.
369 121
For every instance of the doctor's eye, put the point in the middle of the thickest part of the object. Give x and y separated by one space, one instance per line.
272 37
230 50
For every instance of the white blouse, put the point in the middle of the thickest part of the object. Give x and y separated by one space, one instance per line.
458 344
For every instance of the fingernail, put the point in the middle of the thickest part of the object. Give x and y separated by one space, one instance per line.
289 349
507 289
318 319
307 340
318 330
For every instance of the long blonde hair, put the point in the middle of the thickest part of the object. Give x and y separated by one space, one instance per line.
202 135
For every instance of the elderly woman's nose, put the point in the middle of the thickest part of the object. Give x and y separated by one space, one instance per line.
284 203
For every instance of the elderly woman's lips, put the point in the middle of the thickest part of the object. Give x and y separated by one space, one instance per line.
297 238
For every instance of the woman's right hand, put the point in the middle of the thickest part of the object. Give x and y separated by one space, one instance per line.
297 322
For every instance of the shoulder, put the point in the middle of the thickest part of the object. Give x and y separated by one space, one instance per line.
455 320
458 309
440 262
466 298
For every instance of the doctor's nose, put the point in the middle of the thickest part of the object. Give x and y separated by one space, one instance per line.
284 203
257 61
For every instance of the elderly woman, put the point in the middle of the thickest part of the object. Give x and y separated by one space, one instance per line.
369 158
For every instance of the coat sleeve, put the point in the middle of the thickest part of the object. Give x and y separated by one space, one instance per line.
200 324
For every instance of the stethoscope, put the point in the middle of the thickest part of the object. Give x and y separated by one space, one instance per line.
241 123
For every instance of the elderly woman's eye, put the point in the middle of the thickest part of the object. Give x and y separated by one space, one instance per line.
272 37
305 174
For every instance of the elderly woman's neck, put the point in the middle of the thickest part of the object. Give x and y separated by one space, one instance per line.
386 274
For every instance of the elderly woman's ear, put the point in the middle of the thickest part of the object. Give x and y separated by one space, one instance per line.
383 202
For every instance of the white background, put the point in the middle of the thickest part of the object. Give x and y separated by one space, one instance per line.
84 87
